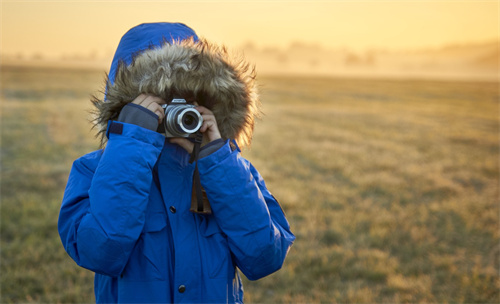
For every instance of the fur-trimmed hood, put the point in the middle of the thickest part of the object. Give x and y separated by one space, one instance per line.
179 65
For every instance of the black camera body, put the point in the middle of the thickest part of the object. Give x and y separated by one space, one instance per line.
181 119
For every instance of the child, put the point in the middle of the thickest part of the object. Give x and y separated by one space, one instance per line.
126 209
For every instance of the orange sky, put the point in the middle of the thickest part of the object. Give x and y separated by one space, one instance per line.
56 28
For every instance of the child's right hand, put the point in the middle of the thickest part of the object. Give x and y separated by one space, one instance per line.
152 103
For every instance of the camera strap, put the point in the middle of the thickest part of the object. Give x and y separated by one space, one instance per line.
200 204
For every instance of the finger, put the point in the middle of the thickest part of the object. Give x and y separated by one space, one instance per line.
145 100
156 99
157 109
210 130
207 124
207 115
204 110
160 114
152 103
139 99
186 144
209 121
150 99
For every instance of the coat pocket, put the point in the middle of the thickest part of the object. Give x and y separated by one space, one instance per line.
149 258
216 256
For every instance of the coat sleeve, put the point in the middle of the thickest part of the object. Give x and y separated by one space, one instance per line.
103 208
258 233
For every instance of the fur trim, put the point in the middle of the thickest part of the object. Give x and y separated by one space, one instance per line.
196 71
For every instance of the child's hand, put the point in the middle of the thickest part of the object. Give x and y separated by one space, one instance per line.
208 128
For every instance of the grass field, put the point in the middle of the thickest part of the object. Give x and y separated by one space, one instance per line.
391 187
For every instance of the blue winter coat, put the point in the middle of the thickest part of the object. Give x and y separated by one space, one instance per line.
125 215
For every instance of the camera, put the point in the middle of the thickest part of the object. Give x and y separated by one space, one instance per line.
181 119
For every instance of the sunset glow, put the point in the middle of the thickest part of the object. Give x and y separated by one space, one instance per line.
92 29
56 27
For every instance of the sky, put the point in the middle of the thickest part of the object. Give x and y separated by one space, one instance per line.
57 28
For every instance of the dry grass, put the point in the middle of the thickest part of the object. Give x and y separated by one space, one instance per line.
392 187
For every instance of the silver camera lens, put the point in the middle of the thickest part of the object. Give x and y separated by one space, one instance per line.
181 120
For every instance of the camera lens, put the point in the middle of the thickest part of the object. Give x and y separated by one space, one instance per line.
188 121
182 120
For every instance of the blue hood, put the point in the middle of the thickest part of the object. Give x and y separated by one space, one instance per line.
168 60
145 36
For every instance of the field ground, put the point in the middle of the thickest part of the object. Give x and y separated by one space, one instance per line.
391 187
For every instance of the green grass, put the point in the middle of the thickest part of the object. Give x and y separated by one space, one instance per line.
391 187
43 128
